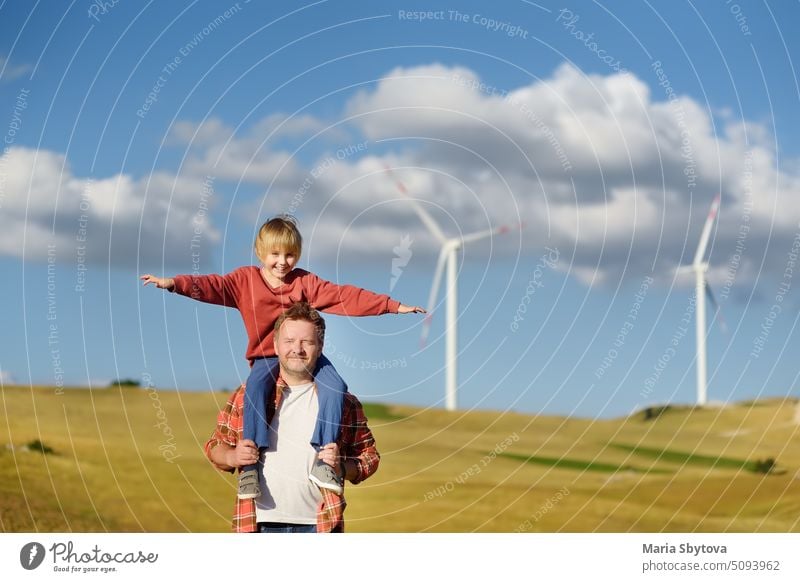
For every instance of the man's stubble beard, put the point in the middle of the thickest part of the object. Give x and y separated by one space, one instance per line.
298 370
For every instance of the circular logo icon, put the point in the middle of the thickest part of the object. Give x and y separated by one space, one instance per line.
31 555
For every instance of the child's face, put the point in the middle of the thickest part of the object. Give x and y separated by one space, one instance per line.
279 262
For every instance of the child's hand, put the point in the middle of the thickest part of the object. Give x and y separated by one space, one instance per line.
410 309
166 283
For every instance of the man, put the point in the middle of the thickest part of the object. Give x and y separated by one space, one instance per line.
289 502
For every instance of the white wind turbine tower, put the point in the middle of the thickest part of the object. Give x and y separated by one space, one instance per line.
448 256
700 266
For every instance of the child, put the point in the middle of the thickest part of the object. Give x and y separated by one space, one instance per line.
261 295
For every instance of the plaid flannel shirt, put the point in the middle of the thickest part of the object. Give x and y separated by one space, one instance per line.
355 442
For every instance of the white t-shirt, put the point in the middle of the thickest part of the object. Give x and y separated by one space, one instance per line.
287 496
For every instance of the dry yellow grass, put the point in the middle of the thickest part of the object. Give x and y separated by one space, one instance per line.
131 460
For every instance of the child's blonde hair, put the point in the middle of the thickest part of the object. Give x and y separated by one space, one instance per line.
280 232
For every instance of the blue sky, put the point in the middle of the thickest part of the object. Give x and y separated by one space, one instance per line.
607 129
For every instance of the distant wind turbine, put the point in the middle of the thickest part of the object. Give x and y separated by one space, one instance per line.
448 256
702 290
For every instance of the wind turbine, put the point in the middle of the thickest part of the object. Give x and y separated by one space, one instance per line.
448 256
700 266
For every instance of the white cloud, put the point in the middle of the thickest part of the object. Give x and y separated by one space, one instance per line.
9 72
119 220
241 161
257 155
282 125
608 170
214 131
598 165
210 131
6 379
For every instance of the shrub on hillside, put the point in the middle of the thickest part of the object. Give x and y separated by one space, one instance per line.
125 383
37 445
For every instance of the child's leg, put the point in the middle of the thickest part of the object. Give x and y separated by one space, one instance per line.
330 393
259 387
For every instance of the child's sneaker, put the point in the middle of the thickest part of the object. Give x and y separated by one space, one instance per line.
326 478
248 485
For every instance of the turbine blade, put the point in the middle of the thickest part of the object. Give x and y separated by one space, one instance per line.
486 233
437 280
718 311
423 214
712 215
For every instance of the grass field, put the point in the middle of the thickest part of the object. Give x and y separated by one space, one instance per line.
128 459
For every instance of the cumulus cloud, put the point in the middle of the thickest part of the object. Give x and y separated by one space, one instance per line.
258 155
6 378
619 177
276 125
207 132
118 220
616 175
9 72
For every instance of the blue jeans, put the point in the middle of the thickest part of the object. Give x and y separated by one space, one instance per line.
271 527
260 387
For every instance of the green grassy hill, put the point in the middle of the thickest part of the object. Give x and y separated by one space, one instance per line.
129 459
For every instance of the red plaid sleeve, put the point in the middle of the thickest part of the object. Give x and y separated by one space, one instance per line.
229 425
356 441
229 431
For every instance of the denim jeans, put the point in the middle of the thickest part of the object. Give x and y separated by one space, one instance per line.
271 527
261 385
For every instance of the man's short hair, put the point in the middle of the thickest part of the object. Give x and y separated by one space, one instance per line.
302 311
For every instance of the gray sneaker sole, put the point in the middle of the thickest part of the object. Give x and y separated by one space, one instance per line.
338 489
249 490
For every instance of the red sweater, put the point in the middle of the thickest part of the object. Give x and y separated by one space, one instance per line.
260 305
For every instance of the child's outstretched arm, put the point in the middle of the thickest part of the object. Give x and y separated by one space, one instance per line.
165 283
410 309
349 300
215 289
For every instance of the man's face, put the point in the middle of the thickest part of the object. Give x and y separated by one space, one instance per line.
298 348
